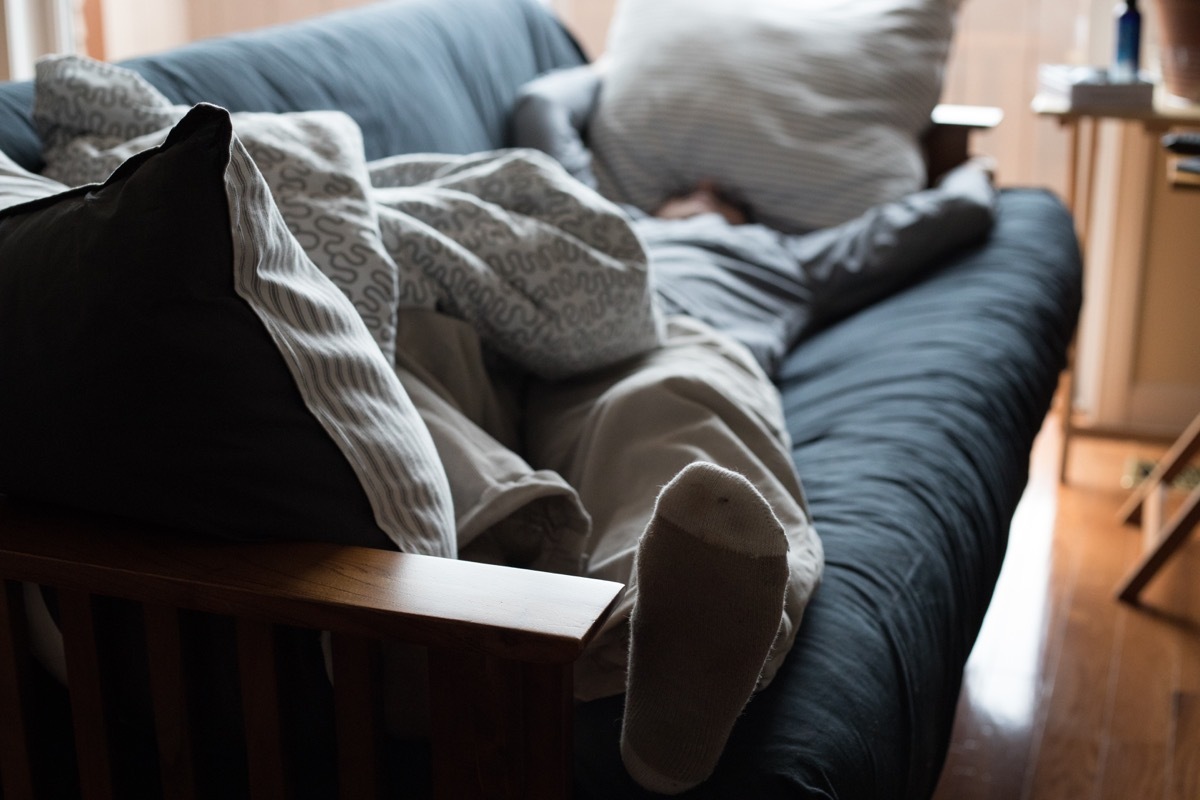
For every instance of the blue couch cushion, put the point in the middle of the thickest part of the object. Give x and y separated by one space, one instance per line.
417 75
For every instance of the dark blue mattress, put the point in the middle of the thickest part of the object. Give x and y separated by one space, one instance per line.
912 424
912 420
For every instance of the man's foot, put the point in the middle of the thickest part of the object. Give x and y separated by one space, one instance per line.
711 577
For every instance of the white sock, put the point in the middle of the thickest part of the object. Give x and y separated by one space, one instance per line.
711 575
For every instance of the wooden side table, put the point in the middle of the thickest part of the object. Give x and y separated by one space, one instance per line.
1146 505
1082 125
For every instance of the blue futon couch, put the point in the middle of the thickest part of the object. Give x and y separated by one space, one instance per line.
912 420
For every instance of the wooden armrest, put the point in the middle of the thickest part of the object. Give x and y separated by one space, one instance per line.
500 645
959 116
947 141
516 614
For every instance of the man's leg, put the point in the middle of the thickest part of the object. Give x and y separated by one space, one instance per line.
619 437
713 573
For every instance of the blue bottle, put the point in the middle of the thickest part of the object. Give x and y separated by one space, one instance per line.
1129 42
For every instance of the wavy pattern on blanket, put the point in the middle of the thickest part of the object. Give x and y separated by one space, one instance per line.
551 275
543 267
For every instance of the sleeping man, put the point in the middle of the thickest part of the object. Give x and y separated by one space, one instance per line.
720 573
671 471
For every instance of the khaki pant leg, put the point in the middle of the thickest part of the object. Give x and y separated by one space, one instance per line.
619 436
506 512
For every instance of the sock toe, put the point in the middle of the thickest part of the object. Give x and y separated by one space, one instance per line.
723 508
711 575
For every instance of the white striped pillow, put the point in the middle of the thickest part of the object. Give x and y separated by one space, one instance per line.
808 112
342 377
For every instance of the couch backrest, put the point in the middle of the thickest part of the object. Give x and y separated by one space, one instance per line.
417 75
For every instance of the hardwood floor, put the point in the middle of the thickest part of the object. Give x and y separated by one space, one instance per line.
1069 694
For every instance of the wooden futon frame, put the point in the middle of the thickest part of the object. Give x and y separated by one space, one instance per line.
501 642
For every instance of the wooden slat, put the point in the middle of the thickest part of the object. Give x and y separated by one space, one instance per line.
988 757
168 688
16 777
258 671
548 699
357 691
1173 536
1147 503
1154 512
500 729
88 706
508 613
477 727
1071 753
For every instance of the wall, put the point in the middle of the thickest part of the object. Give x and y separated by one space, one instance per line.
587 20
216 17
138 27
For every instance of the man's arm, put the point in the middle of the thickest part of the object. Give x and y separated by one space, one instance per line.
552 114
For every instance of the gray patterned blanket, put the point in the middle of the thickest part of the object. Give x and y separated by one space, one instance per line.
548 273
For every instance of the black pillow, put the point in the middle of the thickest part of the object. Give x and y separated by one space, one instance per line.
168 353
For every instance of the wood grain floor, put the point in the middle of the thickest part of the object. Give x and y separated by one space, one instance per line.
1070 695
